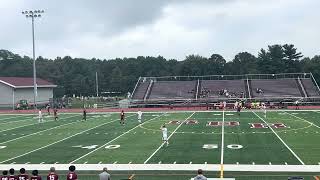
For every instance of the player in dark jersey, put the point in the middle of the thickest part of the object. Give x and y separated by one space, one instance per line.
55 114
84 114
52 174
239 108
35 175
122 117
4 175
12 176
48 109
72 175
23 175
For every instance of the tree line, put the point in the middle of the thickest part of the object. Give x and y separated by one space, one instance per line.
77 75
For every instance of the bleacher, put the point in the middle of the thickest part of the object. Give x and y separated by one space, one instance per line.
173 90
215 88
275 88
204 88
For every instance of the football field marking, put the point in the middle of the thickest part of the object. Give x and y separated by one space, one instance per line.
36 132
1 119
145 162
85 155
34 124
303 119
292 152
55 142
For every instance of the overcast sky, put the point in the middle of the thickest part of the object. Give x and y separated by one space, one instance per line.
172 28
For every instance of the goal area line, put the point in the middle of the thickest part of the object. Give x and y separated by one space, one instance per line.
168 167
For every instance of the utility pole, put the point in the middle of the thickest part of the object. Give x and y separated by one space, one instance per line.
34 14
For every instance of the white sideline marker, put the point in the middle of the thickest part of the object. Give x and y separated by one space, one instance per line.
253 163
285 163
42 162
319 163
293 153
130 162
85 162
237 163
175 162
56 163
99 162
13 162
114 139
190 162
205 163
115 162
27 162
159 162
270 163
145 162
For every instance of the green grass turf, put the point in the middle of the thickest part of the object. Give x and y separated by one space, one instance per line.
56 140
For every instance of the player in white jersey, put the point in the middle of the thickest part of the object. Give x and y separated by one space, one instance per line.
264 109
40 116
139 116
164 134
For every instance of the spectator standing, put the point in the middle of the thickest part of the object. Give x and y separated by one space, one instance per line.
200 175
104 175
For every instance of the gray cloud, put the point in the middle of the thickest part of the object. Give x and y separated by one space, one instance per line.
172 28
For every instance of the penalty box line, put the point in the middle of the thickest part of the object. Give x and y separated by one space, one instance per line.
145 162
292 152
85 155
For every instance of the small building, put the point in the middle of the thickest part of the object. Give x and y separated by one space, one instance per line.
14 89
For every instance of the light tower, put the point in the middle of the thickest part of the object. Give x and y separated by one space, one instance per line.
32 15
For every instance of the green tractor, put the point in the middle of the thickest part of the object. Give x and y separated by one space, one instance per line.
23 104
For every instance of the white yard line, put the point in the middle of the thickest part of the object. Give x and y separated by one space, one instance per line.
38 132
34 124
222 139
168 138
292 152
114 139
303 119
56 142
1 119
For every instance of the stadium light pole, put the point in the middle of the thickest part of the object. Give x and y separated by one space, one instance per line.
34 14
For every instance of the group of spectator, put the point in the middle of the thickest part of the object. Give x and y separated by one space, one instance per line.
23 175
52 175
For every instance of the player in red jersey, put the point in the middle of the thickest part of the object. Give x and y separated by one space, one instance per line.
4 175
12 176
52 174
35 175
55 114
72 175
122 117
23 175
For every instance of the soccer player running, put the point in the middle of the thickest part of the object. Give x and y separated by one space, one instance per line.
164 134
84 114
55 114
40 116
72 174
122 115
23 175
239 108
139 116
35 175
52 174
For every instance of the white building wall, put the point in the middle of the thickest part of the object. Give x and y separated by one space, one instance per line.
6 96
44 94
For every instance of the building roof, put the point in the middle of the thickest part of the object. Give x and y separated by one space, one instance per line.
24 82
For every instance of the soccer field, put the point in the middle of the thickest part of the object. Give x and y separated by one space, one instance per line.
213 137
